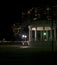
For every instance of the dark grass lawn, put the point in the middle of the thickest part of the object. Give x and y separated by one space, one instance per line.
43 46
26 56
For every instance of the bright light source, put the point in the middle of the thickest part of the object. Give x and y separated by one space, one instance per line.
24 36
44 33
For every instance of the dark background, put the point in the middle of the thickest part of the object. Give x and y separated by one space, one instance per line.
10 13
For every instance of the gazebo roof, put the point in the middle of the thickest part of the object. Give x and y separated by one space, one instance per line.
41 23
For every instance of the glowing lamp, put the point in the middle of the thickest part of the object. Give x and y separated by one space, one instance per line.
44 33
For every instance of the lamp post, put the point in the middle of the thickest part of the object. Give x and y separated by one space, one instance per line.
24 37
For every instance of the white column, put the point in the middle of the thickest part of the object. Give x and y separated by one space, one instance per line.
41 35
54 33
47 34
50 34
29 33
35 34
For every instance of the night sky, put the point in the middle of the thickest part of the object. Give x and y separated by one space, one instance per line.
10 14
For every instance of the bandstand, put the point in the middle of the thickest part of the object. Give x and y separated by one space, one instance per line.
42 30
